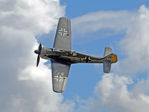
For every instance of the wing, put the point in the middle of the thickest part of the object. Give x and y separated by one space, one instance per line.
63 34
59 76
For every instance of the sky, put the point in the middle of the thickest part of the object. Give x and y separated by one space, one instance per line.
122 25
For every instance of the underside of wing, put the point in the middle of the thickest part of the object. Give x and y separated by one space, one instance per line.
63 34
59 76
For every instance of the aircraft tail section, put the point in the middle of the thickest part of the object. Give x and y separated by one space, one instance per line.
109 58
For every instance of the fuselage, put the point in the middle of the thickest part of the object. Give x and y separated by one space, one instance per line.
69 57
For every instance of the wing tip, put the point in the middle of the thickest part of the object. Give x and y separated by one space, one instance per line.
59 84
64 18
57 91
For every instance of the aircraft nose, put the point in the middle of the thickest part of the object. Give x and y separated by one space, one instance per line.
36 51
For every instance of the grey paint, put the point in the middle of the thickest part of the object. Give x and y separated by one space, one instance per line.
107 64
63 34
59 76
62 56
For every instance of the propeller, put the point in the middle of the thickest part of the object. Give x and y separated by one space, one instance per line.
38 52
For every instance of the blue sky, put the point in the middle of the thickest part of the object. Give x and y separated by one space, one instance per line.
78 8
121 24
83 77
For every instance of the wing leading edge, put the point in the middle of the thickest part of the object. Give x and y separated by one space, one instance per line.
59 76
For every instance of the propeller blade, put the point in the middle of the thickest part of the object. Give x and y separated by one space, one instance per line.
38 52
40 47
38 60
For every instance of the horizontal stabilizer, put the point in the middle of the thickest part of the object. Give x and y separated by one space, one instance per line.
107 66
107 63
107 51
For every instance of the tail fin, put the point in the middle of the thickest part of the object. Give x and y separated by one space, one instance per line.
109 58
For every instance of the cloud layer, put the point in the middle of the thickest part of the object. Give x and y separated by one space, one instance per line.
23 87
114 21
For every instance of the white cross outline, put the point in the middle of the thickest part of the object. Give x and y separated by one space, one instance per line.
63 32
59 76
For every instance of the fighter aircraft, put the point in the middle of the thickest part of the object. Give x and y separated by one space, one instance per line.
62 56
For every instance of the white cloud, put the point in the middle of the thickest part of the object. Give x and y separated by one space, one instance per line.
114 21
23 87
135 44
112 95
115 96
32 15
